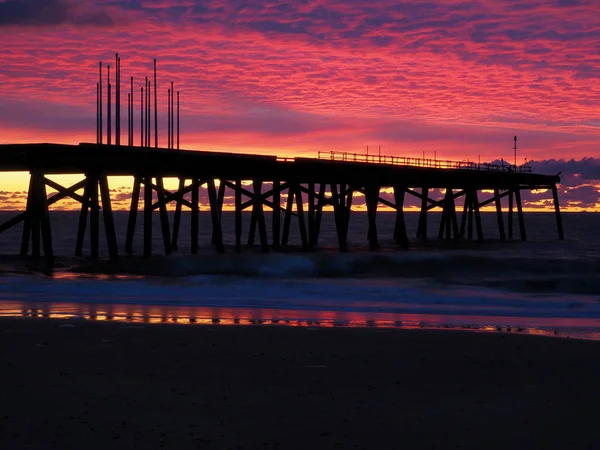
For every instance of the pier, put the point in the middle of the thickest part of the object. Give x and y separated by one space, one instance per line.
295 189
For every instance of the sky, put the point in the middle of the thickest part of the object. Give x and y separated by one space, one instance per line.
454 79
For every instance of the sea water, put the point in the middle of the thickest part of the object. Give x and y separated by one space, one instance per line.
543 285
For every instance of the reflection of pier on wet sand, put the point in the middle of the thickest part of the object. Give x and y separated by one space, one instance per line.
296 189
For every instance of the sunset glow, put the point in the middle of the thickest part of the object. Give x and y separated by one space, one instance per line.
452 78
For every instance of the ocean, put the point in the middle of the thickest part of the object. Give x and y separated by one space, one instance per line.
542 286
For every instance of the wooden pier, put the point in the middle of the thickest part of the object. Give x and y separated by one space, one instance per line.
258 182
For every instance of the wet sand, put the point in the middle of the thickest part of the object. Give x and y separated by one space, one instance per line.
124 386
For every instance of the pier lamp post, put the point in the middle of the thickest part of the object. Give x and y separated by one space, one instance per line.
515 148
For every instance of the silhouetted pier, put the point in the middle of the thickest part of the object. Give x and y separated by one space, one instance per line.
296 189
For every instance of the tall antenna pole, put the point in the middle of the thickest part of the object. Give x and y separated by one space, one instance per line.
100 84
515 148
129 115
108 116
172 115
155 109
148 112
142 122
128 119
169 118
97 115
177 120
132 101
118 100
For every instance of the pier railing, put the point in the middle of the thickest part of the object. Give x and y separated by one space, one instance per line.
421 162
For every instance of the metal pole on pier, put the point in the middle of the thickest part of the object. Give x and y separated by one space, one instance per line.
118 100
146 113
132 102
149 112
155 109
108 115
142 118
169 118
172 115
128 118
100 106
177 120
97 114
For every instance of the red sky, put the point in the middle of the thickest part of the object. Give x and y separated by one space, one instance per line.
457 77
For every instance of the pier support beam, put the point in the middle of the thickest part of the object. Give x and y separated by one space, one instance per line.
520 214
422 226
320 202
83 215
311 215
471 213
448 220
294 195
475 205
149 207
348 199
177 215
94 216
559 226
109 223
287 217
276 218
90 204
37 220
148 215
217 234
24 217
510 214
219 206
29 215
400 234
467 216
498 201
45 221
340 215
257 218
133 211
372 199
238 215
194 220
164 218
300 214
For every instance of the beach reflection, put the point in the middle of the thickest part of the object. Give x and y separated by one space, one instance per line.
207 315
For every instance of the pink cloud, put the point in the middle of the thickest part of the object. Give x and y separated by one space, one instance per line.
452 76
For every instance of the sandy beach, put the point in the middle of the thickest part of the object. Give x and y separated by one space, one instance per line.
122 386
